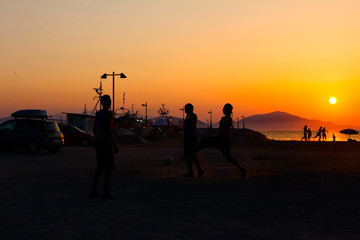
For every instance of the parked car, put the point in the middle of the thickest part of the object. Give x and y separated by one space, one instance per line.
75 136
32 131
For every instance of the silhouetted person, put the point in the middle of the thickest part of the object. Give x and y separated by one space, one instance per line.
318 134
190 141
324 133
222 141
305 133
334 138
309 133
105 146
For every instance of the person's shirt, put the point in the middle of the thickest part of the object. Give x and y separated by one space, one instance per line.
190 126
225 126
102 128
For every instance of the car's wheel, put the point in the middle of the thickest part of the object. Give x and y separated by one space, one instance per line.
54 150
34 147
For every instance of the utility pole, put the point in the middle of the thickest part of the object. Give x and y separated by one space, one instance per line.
183 115
99 92
210 118
145 105
243 117
124 103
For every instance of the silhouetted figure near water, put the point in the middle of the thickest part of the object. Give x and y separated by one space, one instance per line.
222 142
105 146
318 134
324 133
190 141
309 134
334 138
305 134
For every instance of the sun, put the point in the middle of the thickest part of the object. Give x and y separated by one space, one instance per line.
332 100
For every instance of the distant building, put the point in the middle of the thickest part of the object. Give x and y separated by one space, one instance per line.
82 121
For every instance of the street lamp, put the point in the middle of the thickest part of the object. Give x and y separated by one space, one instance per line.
183 112
145 105
210 118
104 76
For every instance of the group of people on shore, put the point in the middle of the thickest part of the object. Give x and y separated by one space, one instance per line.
106 145
321 134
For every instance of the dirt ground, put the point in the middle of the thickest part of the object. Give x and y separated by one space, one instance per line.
294 191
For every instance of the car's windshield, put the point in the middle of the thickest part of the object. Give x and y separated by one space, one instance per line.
7 126
51 127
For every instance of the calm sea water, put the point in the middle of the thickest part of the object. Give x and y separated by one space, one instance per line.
297 135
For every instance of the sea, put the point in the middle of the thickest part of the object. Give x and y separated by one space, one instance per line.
297 135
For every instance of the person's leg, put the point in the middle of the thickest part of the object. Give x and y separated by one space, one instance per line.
107 178
187 157
98 173
197 164
94 193
109 167
225 150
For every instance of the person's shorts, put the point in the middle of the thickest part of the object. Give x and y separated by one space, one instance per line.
105 156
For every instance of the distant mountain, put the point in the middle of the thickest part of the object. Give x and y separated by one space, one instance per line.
278 121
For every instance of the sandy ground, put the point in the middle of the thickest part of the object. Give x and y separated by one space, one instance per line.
294 191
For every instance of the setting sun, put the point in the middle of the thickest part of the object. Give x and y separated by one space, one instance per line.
332 100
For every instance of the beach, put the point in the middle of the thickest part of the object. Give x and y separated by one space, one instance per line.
294 190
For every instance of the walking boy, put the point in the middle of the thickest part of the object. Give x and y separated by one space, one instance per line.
190 140
105 146
222 141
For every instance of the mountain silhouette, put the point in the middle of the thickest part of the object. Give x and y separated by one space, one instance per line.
282 121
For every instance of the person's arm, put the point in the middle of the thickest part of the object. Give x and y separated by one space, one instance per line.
194 121
111 132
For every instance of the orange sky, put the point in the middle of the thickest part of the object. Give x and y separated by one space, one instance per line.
261 56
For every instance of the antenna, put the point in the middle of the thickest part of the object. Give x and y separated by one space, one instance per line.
85 110
123 103
99 93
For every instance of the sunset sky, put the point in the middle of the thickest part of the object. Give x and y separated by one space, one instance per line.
260 55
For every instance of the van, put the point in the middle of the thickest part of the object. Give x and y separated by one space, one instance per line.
31 130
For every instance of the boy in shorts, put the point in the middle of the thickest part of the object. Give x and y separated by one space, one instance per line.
190 140
222 141
105 146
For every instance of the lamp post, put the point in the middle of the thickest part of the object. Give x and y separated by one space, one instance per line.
210 118
183 113
145 105
104 76
243 117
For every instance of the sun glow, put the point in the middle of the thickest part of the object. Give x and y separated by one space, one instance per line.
332 100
